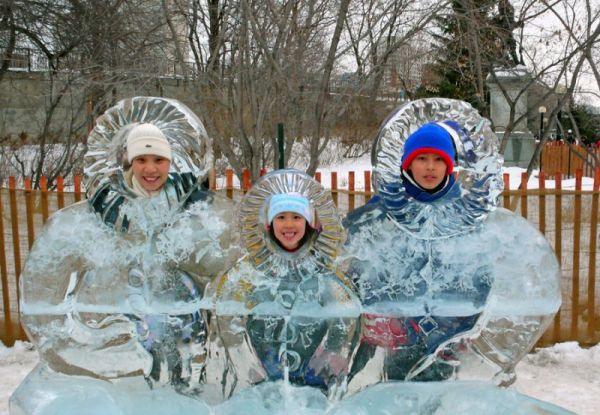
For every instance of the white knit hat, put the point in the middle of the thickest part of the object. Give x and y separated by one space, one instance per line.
147 139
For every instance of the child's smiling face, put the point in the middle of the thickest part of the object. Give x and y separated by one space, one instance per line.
428 170
151 171
289 228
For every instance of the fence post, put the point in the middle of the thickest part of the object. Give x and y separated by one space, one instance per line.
591 291
524 179
557 241
544 340
245 180
14 218
334 188
60 196
77 188
350 191
44 189
576 257
263 171
4 274
506 192
212 179
318 176
229 183
29 212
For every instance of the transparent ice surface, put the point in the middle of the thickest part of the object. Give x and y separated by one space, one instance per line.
122 299
113 286
76 395
280 315
51 393
446 290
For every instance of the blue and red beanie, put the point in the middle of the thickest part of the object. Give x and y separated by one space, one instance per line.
433 137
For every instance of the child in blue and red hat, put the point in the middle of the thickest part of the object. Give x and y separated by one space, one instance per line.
428 161
400 280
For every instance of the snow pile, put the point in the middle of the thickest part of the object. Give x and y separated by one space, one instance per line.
564 374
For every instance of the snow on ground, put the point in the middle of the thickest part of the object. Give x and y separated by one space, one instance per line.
564 374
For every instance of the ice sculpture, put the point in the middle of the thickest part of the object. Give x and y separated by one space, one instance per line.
446 290
120 297
111 291
279 314
415 398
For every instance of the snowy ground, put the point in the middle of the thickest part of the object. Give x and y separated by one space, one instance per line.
565 375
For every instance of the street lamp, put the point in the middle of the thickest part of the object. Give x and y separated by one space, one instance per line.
542 111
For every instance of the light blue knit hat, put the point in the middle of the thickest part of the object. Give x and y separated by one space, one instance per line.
289 202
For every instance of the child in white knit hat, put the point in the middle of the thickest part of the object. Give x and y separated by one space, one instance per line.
149 158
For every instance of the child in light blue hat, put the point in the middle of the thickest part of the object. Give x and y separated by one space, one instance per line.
284 311
288 215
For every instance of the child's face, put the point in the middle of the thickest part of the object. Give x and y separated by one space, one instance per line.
151 171
289 228
428 170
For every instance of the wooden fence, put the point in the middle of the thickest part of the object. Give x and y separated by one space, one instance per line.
567 217
561 157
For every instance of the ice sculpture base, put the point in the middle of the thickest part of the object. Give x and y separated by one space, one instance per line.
47 393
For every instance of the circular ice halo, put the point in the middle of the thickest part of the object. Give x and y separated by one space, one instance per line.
254 236
190 144
478 165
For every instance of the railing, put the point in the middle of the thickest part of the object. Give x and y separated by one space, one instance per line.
567 217
27 59
567 159
569 220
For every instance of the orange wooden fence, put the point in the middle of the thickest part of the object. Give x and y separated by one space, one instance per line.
567 217
567 159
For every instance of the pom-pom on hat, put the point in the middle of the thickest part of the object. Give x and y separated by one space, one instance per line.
147 139
433 137
289 202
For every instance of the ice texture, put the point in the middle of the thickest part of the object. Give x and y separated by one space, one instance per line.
446 290
112 287
77 395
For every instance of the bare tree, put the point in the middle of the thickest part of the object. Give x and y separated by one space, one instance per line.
556 58
91 52
264 63
317 66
